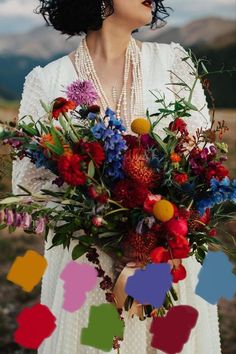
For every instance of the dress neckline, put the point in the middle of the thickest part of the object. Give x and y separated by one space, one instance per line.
144 66
75 71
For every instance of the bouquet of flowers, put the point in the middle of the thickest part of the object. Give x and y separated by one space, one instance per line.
135 196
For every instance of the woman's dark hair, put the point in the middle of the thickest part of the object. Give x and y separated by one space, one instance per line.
76 17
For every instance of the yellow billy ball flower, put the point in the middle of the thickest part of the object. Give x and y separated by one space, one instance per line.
140 126
163 210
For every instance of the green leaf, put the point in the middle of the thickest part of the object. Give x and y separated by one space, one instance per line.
164 110
54 148
45 106
190 105
28 129
160 142
53 194
86 240
178 83
185 58
91 169
11 229
44 129
79 250
169 132
204 68
201 253
58 239
56 139
109 234
11 200
3 226
24 189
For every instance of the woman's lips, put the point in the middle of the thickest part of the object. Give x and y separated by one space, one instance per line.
147 4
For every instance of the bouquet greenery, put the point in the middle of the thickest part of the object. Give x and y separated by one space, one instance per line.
135 196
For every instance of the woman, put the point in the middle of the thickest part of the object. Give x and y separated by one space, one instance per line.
123 71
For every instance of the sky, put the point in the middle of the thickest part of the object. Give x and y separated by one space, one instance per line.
17 15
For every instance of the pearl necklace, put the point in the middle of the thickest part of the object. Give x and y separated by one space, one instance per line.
86 71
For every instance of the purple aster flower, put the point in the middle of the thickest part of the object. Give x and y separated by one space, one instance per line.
82 92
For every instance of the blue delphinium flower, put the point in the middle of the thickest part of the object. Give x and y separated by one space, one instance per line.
220 191
114 144
40 160
92 116
98 130
113 121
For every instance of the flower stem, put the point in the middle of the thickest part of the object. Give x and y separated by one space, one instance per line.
116 203
115 211
71 126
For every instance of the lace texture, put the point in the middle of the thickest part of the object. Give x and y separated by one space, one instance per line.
23 171
65 339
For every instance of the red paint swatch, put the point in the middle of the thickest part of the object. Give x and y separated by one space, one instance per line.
35 324
171 332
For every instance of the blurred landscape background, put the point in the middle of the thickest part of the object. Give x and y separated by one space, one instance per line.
209 29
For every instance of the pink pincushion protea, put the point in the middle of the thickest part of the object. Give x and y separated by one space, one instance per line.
82 92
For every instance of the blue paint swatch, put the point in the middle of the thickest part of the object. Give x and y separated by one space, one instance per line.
216 279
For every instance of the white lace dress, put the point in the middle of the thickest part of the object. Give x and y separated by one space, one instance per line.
46 83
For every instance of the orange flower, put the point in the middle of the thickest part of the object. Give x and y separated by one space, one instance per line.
175 157
67 150
61 105
47 138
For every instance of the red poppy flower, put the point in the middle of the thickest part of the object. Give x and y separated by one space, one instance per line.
150 201
93 150
218 172
69 167
97 152
179 125
178 273
212 232
61 105
180 247
94 109
159 255
180 178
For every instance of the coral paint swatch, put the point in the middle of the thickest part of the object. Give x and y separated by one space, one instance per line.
104 324
28 270
149 285
35 324
171 332
78 279
216 279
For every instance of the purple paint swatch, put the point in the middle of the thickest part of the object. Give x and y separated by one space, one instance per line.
149 285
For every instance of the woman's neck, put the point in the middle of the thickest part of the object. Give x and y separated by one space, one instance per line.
108 46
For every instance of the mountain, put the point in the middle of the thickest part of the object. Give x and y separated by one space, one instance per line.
40 43
212 37
210 32
45 42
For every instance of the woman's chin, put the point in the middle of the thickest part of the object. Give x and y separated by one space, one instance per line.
146 19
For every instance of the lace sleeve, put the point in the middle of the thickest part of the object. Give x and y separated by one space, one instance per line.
184 71
23 171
